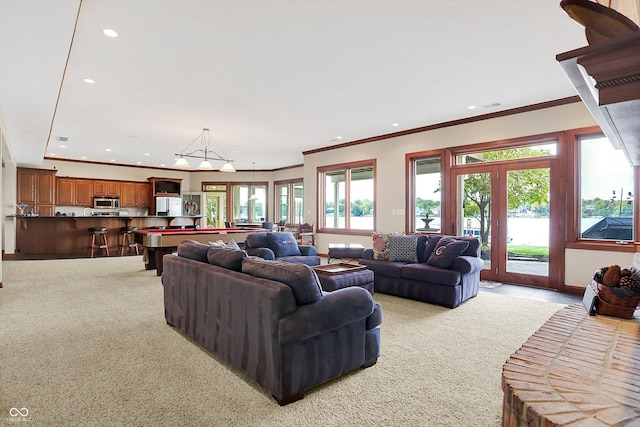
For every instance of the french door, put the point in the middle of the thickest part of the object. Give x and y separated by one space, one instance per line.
511 208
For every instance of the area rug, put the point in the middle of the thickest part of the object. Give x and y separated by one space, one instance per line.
84 342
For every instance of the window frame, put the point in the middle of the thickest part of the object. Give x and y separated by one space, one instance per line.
321 172
410 207
574 204
291 198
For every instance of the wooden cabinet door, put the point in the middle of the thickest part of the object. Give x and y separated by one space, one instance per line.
99 188
84 192
143 194
45 210
27 187
127 194
113 188
46 187
66 191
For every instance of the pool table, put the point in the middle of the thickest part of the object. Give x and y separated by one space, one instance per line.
159 242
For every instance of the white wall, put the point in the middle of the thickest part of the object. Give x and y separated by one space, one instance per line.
390 157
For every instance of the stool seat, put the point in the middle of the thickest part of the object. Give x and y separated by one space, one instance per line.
99 234
128 242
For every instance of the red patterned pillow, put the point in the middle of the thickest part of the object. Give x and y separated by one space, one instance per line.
381 245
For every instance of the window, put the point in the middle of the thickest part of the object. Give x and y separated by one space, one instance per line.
290 201
427 194
239 201
347 196
606 191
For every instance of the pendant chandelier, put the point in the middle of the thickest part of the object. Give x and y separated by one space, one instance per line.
204 152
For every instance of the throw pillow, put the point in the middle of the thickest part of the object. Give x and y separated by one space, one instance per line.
301 278
226 257
432 241
283 244
403 248
381 245
193 250
446 251
233 245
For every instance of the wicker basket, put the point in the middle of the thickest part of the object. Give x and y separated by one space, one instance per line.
612 305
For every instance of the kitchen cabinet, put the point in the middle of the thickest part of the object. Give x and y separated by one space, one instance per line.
66 191
105 188
84 192
36 189
143 194
127 194
134 194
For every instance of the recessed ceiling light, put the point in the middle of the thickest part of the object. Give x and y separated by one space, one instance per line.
147 154
51 154
395 124
84 157
112 160
107 149
109 32
138 163
63 146
90 81
338 137
471 107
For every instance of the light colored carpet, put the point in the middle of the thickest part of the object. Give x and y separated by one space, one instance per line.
84 342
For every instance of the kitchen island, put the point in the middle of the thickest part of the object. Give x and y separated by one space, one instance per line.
49 237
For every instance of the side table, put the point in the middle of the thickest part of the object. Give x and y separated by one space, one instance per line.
338 276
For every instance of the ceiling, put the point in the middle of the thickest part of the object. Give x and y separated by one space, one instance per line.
269 78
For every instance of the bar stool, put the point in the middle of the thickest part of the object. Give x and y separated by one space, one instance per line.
99 239
128 241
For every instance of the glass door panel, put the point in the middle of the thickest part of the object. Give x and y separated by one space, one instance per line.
475 209
527 238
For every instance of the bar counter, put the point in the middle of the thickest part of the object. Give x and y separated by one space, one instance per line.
68 236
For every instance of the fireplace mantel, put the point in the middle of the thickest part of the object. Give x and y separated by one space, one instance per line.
606 75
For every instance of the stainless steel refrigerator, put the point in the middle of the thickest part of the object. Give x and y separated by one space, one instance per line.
169 206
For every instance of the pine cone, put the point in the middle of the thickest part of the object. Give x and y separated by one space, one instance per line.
612 276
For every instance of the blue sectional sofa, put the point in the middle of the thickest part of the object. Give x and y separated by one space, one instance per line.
269 319
437 269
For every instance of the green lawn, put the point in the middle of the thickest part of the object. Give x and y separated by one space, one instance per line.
528 250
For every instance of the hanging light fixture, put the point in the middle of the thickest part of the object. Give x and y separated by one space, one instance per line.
253 183
206 141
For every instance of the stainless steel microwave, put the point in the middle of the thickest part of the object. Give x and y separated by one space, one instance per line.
106 202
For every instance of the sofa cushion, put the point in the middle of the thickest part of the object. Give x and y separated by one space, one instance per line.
384 268
474 246
283 244
403 248
256 240
432 242
420 248
221 244
446 251
226 257
431 274
301 278
381 245
193 250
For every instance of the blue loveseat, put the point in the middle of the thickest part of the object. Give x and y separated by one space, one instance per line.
427 268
